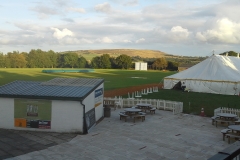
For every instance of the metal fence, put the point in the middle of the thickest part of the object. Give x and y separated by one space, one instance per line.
175 107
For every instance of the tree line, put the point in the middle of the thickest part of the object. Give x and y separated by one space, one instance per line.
50 59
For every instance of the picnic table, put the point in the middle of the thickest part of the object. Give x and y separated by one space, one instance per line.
132 112
144 106
225 118
236 134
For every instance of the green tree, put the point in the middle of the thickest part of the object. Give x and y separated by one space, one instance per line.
38 59
16 60
70 59
172 66
230 53
53 58
113 62
2 60
82 62
124 61
105 61
96 62
160 63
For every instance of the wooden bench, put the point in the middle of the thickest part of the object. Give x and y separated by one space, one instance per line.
224 132
142 113
236 137
237 122
221 121
124 116
214 118
142 117
152 111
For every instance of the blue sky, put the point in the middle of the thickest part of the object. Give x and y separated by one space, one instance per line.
179 27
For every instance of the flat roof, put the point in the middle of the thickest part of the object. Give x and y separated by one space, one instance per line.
75 89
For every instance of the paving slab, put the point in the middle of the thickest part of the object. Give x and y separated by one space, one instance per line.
161 136
16 142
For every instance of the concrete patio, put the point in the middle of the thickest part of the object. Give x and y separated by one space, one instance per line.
161 136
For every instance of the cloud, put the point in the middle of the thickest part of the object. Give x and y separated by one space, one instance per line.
178 33
152 24
60 3
104 40
73 41
61 34
44 11
225 31
68 19
141 40
127 41
79 10
131 3
105 7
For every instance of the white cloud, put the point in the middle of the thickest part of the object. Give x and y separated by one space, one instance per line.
141 40
60 34
105 7
153 24
225 31
178 33
127 41
79 10
45 11
131 3
73 41
106 40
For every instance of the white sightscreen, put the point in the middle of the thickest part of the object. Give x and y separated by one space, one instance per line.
140 66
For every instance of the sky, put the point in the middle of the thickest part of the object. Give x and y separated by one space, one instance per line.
178 27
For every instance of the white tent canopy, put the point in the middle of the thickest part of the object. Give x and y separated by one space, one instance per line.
217 74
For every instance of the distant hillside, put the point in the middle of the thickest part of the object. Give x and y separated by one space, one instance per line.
89 54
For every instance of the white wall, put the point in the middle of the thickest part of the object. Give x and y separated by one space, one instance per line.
140 66
143 66
6 113
67 116
89 102
137 66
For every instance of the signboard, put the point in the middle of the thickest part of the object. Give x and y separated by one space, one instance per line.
98 97
32 113
90 118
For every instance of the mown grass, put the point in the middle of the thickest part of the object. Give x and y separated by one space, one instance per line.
114 79
193 102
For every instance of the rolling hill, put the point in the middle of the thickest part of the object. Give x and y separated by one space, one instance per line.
89 54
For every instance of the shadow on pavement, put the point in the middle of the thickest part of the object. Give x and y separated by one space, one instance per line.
14 142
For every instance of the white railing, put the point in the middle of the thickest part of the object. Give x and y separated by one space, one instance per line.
227 110
176 107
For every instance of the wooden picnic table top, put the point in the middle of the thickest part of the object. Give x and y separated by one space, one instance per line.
234 127
227 115
132 110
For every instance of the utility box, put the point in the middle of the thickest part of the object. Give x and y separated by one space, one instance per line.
107 112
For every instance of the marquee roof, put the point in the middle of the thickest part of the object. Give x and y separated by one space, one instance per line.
215 68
